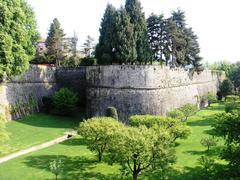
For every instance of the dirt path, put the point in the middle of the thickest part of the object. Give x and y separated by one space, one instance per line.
36 148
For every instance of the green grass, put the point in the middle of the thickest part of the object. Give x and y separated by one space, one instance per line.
80 163
36 129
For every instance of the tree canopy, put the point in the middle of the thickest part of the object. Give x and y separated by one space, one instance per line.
18 35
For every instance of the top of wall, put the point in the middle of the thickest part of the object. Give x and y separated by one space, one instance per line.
144 76
36 74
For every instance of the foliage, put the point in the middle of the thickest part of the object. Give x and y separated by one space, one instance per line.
56 167
54 43
88 61
40 59
18 34
99 132
172 42
176 114
64 101
88 46
107 39
226 87
232 106
208 142
175 128
207 164
72 61
209 98
227 126
112 112
142 149
188 110
47 103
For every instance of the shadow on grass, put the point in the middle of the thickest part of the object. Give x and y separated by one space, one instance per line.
75 142
202 122
73 167
49 121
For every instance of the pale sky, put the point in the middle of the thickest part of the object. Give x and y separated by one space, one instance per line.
216 22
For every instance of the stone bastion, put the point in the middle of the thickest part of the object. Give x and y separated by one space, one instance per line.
141 89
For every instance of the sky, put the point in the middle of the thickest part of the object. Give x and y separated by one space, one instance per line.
216 22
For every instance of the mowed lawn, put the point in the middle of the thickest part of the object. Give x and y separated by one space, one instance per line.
36 129
80 163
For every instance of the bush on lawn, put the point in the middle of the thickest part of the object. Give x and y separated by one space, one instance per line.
64 101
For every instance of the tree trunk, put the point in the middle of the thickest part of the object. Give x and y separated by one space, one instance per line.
99 156
135 176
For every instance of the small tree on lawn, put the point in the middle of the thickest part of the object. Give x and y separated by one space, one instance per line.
188 111
208 142
142 149
56 167
176 114
99 132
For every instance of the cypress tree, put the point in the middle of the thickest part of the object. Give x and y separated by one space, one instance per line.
105 49
134 9
54 43
126 46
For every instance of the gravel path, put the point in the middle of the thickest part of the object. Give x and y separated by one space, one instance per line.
36 148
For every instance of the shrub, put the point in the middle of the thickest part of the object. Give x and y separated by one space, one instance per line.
99 132
47 103
231 106
176 114
232 98
174 127
227 87
56 167
64 101
112 112
208 142
188 110
88 61
207 164
219 96
72 61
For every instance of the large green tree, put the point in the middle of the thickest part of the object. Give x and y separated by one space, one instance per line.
54 43
137 18
18 34
105 49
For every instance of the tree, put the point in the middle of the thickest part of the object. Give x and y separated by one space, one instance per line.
227 126
227 87
88 46
188 110
105 49
208 142
142 149
99 132
125 51
64 101
54 43
73 45
174 127
137 19
18 35
56 167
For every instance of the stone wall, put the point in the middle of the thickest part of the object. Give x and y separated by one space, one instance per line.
22 95
135 89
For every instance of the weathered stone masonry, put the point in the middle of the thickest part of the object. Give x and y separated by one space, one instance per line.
132 89
144 89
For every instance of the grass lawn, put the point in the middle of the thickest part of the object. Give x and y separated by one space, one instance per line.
80 163
36 129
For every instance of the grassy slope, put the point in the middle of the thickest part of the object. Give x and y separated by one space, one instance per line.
36 129
80 164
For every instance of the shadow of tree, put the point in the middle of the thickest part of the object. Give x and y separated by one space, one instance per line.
77 141
49 121
203 122
73 167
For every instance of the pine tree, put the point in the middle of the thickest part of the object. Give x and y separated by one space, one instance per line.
73 45
54 43
126 47
134 9
105 50
18 34
88 46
